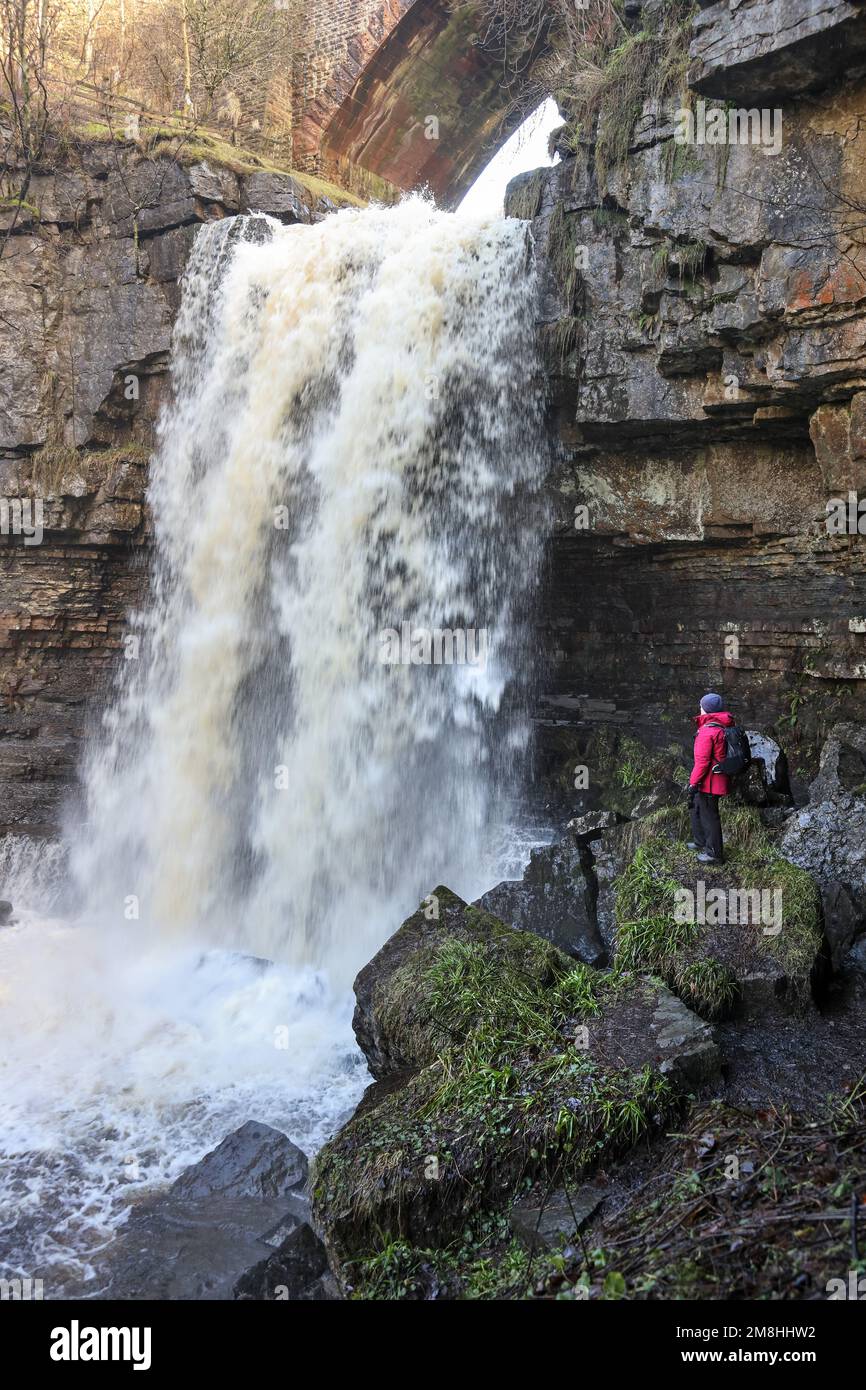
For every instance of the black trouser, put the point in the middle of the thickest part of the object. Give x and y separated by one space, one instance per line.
706 825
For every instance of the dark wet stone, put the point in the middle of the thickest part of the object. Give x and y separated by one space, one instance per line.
290 1272
665 793
593 824
255 1161
203 1248
548 1224
236 1214
554 899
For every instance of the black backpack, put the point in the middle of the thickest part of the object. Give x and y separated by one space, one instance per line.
738 753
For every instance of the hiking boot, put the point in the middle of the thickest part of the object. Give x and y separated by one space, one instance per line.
690 844
706 858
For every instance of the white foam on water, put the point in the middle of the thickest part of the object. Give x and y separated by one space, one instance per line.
354 443
120 1069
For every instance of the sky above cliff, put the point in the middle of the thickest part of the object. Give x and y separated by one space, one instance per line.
527 149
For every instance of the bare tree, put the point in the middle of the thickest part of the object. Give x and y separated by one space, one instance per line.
232 43
27 29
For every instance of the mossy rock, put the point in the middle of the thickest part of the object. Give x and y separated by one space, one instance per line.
505 1064
401 1021
746 935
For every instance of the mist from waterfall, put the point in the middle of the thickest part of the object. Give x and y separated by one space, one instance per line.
351 460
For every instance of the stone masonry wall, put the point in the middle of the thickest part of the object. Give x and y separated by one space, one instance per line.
337 40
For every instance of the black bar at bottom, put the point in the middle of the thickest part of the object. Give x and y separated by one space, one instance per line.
83 1338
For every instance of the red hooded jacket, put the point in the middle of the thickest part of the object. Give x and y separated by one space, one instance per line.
709 750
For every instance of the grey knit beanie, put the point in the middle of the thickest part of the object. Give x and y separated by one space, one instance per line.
711 704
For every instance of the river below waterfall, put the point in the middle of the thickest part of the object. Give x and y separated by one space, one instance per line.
344 496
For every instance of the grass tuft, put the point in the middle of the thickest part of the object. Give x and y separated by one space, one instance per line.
503 1097
700 961
604 76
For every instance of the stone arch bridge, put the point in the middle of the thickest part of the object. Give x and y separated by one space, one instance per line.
399 94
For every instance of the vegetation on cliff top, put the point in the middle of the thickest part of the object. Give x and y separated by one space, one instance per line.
605 82
601 65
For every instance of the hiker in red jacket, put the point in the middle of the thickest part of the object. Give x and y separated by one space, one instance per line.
705 785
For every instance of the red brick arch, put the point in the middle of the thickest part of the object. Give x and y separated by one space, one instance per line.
399 91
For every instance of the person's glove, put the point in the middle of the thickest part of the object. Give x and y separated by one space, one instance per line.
691 794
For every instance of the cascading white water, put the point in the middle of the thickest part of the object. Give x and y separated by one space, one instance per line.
353 450
353 415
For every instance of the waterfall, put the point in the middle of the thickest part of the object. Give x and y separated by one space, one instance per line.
321 712
33 872
352 451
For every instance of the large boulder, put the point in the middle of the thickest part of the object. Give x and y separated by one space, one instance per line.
745 936
828 837
234 1225
555 898
842 768
214 1248
298 1268
765 781
503 1064
397 1021
254 1161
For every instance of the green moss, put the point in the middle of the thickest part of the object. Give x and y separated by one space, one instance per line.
681 160
10 202
507 1099
659 260
165 142
99 132
700 964
168 141
606 75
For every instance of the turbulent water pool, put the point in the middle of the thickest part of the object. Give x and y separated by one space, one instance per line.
122 1066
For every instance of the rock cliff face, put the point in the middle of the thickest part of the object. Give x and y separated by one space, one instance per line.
704 320
704 316
88 294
